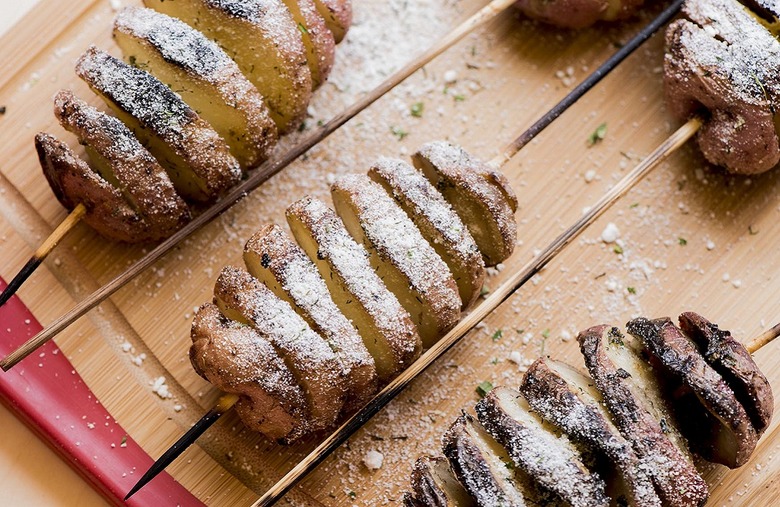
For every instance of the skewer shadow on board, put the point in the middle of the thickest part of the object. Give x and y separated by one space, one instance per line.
226 402
261 173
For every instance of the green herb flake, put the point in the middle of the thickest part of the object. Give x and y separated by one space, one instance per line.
520 331
498 334
417 109
598 135
631 290
494 361
352 495
303 29
399 132
484 387
484 291
618 249
459 97
682 241
546 333
635 205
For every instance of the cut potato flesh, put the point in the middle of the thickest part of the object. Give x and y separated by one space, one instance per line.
317 39
198 160
205 77
484 207
74 182
551 460
718 425
641 412
386 328
732 360
435 486
274 259
262 38
399 254
121 161
317 369
569 400
481 465
271 401
337 15
438 223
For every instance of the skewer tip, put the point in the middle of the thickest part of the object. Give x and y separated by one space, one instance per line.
224 404
20 278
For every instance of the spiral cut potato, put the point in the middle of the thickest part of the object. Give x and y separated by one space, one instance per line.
724 62
621 435
231 101
362 293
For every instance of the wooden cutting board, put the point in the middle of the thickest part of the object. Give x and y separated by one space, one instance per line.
692 237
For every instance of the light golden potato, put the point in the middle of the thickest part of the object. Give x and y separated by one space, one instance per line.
337 15
399 254
277 261
484 206
264 40
203 75
197 159
318 40
437 221
124 163
243 298
385 326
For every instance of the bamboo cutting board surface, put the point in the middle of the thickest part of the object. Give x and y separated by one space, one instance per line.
692 237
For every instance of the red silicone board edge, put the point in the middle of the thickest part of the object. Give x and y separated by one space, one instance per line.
49 396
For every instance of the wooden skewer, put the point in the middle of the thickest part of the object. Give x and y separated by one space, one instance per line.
224 404
255 179
43 251
228 400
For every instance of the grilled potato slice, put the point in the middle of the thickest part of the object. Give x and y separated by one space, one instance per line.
263 39
399 254
277 261
203 75
724 433
386 328
74 182
337 15
435 486
551 460
317 39
481 197
121 161
482 466
237 359
316 367
641 412
438 223
198 160
567 399
735 364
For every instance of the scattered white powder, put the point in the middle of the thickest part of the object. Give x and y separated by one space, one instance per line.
610 234
590 176
160 388
450 76
373 460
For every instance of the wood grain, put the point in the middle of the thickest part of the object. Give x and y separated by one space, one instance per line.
507 76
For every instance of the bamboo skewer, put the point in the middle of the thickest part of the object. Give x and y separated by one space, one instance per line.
255 179
226 401
43 251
